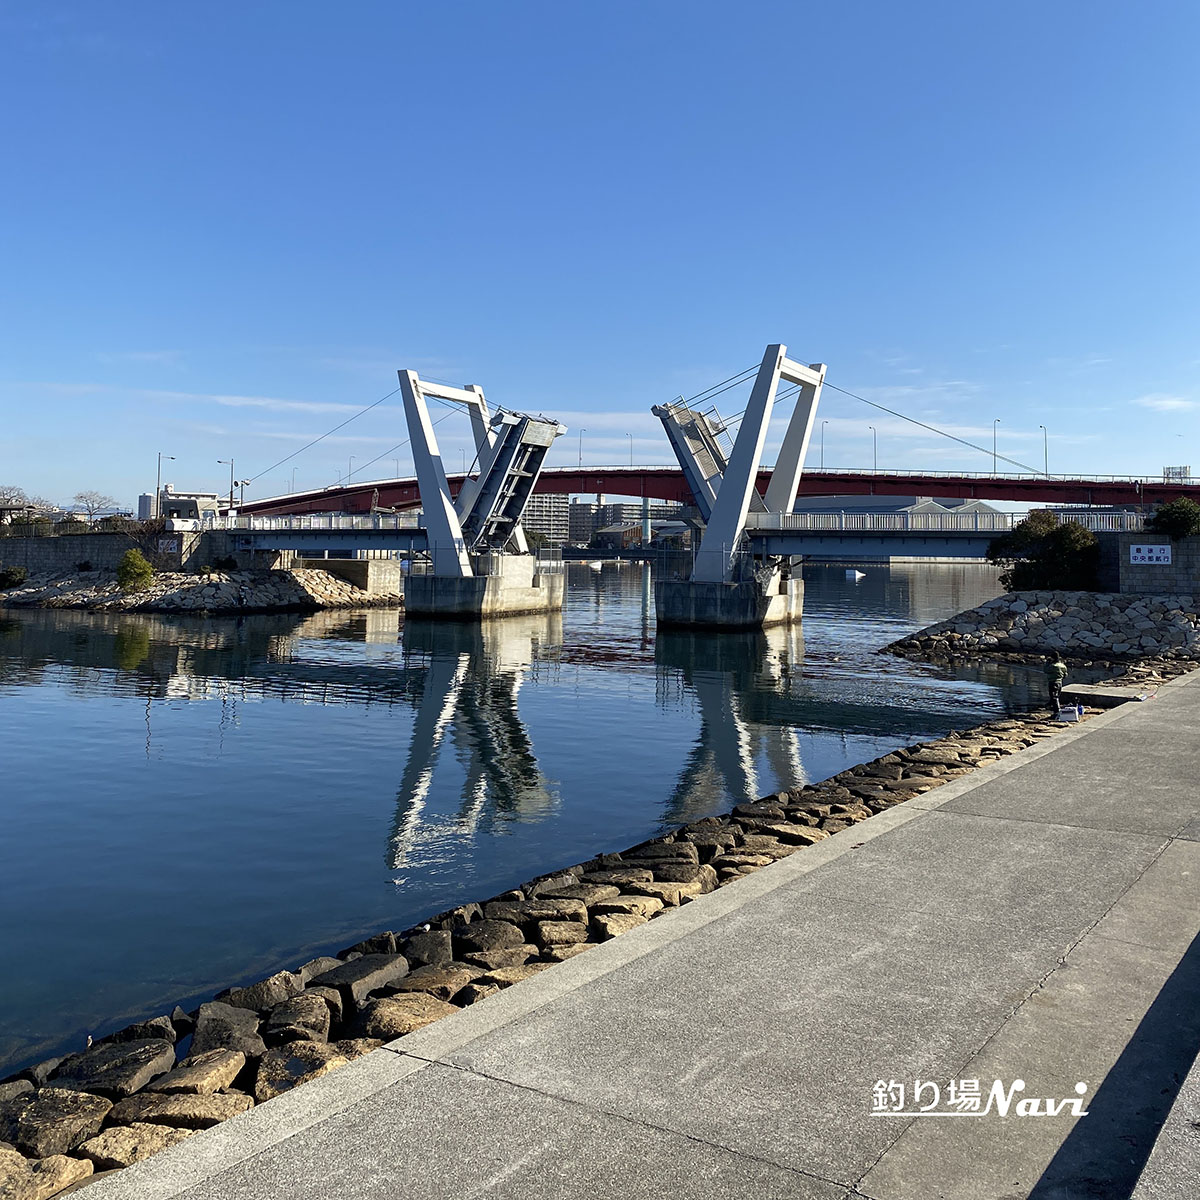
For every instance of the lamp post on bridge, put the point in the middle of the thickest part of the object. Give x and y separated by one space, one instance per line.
995 426
823 424
874 449
581 433
630 437
158 484
1045 451
228 462
293 479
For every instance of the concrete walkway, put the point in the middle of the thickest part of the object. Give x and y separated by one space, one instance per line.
1036 920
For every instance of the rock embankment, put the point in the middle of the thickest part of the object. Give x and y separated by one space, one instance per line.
1087 626
158 1081
214 592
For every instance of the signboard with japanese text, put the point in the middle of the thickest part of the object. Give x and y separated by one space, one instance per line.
1158 555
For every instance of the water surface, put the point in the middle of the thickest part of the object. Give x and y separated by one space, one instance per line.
190 803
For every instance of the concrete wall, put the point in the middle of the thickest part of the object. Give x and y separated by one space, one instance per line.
1180 577
61 555
179 551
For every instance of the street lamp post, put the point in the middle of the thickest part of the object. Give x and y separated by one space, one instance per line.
1045 451
995 426
242 485
874 448
228 462
158 484
293 479
581 433
630 437
349 469
823 424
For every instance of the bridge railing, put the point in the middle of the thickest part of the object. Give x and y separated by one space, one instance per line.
917 522
320 522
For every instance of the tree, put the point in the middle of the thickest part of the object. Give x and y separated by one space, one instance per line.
11 494
92 502
1179 519
134 571
1042 553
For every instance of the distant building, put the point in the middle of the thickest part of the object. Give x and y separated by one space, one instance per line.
548 515
586 518
888 504
618 537
188 506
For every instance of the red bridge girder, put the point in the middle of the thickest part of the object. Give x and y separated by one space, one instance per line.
667 483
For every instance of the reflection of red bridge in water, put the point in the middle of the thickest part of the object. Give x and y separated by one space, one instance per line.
667 483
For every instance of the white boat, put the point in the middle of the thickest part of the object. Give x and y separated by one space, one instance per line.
851 573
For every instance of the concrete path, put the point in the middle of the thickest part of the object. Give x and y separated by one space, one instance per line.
1036 920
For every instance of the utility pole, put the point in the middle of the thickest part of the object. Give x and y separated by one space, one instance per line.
158 484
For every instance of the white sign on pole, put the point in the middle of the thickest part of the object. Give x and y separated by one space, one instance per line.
1159 555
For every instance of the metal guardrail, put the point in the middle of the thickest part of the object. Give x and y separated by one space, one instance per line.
850 522
316 522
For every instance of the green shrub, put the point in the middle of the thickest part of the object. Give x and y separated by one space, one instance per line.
11 577
134 572
1179 519
1040 553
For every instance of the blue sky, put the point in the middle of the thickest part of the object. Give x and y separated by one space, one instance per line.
223 227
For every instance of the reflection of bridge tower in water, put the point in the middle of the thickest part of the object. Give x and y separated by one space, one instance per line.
472 676
725 672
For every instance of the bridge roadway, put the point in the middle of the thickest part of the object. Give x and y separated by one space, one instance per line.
826 534
667 483
1035 921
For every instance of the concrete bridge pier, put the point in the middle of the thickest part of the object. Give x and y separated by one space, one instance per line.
501 585
740 604
732 586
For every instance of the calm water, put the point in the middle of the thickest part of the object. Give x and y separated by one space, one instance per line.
188 804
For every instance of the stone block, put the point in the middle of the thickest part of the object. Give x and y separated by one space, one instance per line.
52 1121
124 1145
357 979
115 1068
394 1016
202 1074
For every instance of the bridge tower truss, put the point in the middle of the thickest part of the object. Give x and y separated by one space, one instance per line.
724 484
510 451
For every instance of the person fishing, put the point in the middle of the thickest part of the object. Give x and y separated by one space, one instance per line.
1056 674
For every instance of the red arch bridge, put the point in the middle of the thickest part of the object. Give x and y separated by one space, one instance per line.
667 483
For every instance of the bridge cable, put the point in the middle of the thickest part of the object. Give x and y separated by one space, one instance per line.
787 395
933 429
327 433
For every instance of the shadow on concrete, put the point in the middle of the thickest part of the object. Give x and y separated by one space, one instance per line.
1107 1150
